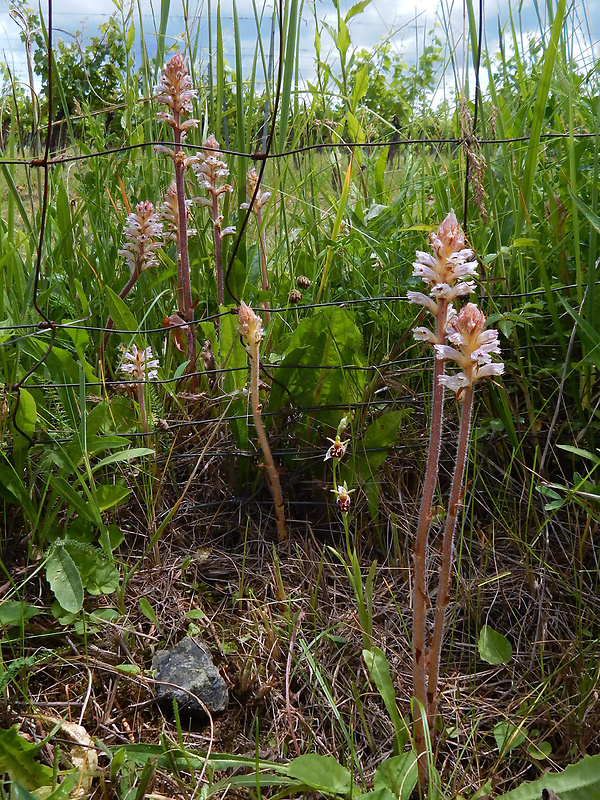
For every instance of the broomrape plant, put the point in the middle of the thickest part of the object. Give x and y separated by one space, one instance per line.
144 237
210 169
251 330
174 90
445 273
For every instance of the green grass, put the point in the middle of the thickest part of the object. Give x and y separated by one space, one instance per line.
350 223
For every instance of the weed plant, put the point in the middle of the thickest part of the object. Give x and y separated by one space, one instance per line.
133 513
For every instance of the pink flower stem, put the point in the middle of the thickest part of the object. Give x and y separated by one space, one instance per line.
184 287
218 249
142 403
272 472
443 595
420 596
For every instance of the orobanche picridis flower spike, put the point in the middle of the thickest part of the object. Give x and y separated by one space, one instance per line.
444 272
139 364
472 349
169 213
174 90
143 231
261 199
250 327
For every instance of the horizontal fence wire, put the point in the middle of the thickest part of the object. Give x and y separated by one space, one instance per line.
40 327
258 156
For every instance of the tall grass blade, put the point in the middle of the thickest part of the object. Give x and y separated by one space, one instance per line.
532 154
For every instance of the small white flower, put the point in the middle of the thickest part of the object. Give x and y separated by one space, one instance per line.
140 364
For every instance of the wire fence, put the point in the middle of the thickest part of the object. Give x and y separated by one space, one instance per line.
395 367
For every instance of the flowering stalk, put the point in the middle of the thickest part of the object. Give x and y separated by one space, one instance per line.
260 200
143 231
444 272
174 90
141 365
209 170
473 351
250 328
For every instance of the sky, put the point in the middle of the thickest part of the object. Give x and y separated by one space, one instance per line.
407 26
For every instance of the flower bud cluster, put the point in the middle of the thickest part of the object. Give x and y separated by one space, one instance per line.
144 233
249 325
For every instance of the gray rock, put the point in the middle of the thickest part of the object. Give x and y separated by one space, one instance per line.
189 666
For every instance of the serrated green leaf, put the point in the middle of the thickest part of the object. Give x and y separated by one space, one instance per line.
17 758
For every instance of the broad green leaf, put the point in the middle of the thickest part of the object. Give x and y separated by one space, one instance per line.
14 612
322 773
75 500
361 84
23 429
379 670
399 774
509 736
120 313
148 611
110 495
579 452
579 781
13 490
65 580
493 647
17 758
124 455
594 219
